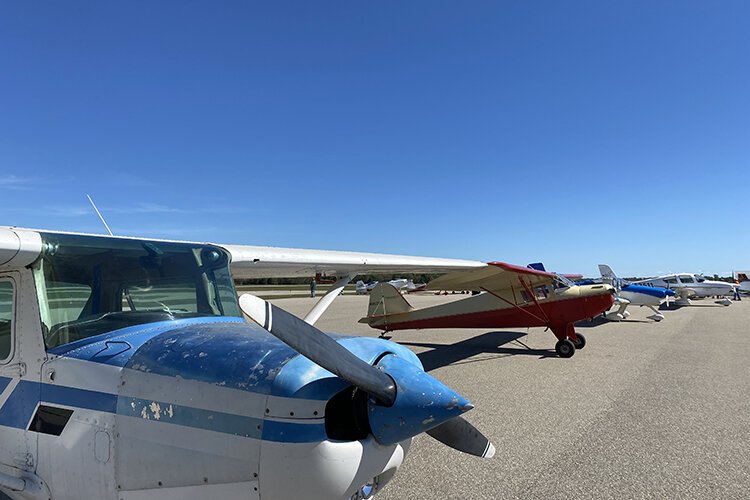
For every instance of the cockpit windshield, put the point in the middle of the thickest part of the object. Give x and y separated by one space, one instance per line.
700 278
563 282
88 285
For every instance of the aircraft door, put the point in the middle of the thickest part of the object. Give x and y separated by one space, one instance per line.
19 381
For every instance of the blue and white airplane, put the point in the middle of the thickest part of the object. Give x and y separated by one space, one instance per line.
690 285
129 372
633 294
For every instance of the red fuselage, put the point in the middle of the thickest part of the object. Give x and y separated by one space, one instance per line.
545 313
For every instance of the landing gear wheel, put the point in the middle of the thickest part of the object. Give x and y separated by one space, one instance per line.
565 348
580 341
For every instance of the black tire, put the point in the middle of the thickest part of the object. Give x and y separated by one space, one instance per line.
565 348
580 341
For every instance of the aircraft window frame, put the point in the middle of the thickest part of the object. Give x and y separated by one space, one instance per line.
564 282
686 279
671 281
12 321
109 268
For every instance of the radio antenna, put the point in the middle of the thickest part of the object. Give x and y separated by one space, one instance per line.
100 215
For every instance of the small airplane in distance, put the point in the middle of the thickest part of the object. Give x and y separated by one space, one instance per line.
688 285
511 296
637 295
743 281
411 287
362 288
128 371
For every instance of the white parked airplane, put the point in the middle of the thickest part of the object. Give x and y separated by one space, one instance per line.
688 285
128 372
362 288
631 294
743 280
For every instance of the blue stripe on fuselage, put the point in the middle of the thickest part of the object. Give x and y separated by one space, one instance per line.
4 381
79 398
21 404
226 423
648 290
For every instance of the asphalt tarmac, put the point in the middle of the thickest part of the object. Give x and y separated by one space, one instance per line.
645 410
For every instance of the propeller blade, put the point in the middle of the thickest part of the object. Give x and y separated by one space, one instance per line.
460 435
320 348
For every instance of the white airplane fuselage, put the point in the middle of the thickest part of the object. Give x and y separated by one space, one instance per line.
690 285
637 298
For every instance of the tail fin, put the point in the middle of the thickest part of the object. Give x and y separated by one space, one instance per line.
607 272
609 277
386 300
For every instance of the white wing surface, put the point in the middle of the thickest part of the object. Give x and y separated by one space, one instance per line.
275 262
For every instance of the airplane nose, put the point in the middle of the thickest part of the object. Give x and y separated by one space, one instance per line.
422 402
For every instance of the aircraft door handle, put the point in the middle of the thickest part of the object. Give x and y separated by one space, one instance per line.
16 370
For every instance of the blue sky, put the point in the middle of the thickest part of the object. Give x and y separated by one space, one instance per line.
570 132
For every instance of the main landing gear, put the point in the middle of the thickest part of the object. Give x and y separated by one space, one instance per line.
579 342
566 346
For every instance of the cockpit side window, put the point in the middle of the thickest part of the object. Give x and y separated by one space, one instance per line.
6 319
670 281
686 279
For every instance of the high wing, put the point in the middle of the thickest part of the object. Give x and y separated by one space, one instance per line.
493 276
275 262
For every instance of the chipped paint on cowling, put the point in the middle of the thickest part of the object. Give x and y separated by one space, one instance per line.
155 410
226 423
414 411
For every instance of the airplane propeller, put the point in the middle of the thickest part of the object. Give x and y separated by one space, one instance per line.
329 354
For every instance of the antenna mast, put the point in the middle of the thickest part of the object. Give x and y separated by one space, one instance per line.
100 215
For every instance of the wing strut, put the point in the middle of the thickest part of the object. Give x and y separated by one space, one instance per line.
326 300
527 286
543 320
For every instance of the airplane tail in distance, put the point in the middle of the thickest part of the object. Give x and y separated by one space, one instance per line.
386 300
607 272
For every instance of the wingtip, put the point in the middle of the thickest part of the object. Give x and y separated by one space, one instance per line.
490 452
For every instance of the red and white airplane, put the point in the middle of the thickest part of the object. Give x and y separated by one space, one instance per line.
511 297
